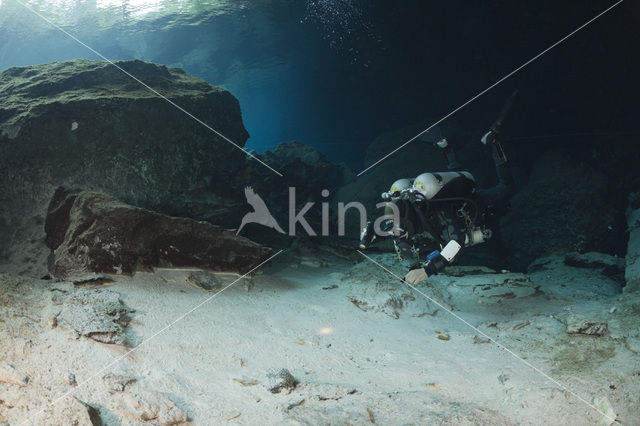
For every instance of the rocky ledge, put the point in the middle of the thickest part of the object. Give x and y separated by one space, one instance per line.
90 232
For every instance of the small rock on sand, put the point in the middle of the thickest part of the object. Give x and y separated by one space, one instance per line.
246 382
589 328
442 335
477 340
118 382
204 280
145 406
92 280
87 412
281 382
71 380
97 314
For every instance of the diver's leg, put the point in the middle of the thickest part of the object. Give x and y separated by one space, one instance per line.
505 179
449 154
505 187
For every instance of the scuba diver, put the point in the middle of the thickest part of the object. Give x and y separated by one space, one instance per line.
443 211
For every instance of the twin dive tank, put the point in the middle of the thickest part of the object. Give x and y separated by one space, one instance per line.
435 186
445 185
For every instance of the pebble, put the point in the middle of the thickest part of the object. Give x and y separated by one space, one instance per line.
281 382
442 335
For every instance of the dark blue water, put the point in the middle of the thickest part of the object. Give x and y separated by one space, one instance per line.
337 73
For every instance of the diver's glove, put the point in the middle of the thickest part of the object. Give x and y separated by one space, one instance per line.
422 272
414 276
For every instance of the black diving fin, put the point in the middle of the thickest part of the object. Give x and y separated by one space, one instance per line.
503 114
491 137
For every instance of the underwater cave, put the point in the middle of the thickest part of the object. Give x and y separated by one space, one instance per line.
334 212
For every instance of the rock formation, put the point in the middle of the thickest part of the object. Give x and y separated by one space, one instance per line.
632 271
307 170
89 232
86 124
564 207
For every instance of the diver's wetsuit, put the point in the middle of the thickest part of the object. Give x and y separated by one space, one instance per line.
491 201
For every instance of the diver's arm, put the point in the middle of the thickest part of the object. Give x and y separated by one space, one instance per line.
454 234
435 263
439 260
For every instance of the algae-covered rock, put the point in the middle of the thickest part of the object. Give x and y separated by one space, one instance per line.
97 314
90 232
87 124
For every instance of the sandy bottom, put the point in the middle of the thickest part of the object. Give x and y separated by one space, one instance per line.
363 347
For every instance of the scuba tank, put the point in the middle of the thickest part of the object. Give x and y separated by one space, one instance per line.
456 188
444 185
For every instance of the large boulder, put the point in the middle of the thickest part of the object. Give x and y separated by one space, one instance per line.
87 124
90 232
